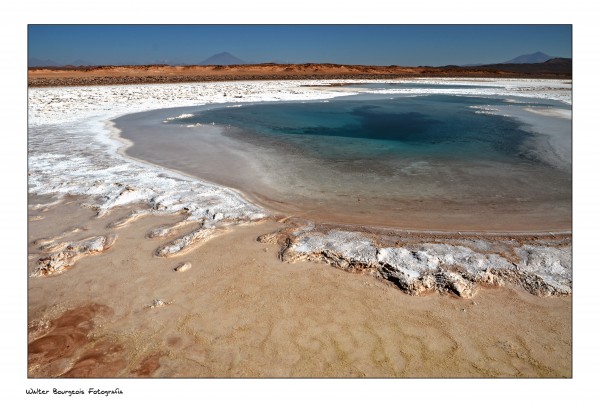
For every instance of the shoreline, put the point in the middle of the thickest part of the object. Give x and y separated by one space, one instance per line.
122 151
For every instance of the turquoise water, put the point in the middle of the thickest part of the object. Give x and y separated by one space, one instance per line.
435 126
439 162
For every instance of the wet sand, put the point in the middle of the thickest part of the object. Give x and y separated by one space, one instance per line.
241 312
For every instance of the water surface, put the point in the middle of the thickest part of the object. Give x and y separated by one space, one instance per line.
437 162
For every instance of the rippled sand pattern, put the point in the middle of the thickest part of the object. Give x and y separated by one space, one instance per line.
241 312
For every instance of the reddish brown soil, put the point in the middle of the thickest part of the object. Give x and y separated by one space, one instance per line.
107 75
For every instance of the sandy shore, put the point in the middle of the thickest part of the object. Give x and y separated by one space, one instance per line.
239 311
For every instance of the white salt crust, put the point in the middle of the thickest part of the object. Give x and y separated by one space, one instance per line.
422 267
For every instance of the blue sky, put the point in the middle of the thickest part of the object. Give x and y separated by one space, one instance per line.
407 45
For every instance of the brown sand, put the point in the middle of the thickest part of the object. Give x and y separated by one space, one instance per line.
241 312
105 75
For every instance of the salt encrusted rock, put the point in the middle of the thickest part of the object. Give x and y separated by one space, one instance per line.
422 270
340 248
70 252
120 195
547 266
404 269
182 267
414 270
490 277
453 282
542 270
444 267
166 230
182 244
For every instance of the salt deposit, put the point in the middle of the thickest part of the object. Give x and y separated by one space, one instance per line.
64 255
446 266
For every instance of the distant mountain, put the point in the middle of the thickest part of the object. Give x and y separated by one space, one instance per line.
277 62
552 67
80 62
223 58
537 57
35 62
559 61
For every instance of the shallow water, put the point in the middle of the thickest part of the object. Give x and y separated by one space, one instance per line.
438 162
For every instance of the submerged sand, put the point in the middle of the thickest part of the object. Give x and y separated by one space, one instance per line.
239 311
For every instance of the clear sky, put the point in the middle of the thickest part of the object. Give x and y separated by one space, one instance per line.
406 45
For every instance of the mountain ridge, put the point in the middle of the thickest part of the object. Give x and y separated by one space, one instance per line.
222 59
536 57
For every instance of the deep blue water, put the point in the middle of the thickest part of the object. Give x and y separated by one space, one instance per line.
432 125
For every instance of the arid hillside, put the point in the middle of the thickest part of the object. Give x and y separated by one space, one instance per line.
106 75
